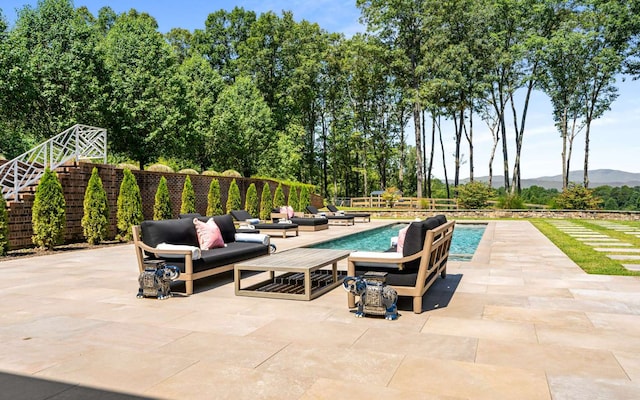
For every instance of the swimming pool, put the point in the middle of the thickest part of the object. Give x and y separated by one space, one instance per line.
466 238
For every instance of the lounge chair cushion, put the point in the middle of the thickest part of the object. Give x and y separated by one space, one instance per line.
244 216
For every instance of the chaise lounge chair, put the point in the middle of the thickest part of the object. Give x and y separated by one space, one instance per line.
244 218
305 224
364 217
411 272
333 219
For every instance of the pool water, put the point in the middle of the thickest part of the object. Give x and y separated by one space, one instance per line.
466 238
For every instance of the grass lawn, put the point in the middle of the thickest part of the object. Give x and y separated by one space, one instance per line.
591 261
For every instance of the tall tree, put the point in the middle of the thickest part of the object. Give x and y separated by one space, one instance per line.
145 96
400 25
242 126
54 47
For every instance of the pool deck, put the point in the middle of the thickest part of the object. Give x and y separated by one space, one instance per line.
519 321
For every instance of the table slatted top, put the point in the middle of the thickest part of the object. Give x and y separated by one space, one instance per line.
300 258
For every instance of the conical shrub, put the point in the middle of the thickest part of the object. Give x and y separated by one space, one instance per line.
129 211
48 215
188 204
304 198
266 203
251 200
95 220
4 228
234 202
294 199
278 197
214 203
162 204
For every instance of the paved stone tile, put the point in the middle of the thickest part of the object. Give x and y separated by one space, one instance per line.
519 321
614 250
632 267
470 380
519 332
569 387
552 359
623 257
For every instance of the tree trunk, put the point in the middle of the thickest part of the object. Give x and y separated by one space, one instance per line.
469 136
433 138
564 150
444 165
416 123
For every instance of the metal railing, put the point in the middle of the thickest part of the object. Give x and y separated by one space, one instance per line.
79 141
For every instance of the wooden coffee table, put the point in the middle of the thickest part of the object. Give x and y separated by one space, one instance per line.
302 275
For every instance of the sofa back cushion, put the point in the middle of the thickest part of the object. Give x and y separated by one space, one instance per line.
172 231
414 239
227 228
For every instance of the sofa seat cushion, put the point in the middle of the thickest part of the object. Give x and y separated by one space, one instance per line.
233 253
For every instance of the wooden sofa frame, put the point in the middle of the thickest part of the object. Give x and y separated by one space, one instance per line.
188 276
433 261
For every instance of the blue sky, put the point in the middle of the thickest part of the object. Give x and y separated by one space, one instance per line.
615 138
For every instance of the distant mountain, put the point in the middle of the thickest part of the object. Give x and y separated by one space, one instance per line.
597 177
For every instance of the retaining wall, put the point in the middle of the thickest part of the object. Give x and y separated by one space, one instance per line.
74 180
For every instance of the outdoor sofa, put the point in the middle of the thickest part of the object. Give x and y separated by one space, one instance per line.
175 241
412 271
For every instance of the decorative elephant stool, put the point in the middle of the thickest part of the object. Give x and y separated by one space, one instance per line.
376 298
156 278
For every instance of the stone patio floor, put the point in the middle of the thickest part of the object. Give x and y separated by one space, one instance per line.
520 321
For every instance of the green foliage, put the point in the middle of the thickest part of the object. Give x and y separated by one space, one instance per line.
538 195
214 203
189 171
266 202
305 198
232 173
160 168
95 220
145 94
294 198
129 166
390 196
610 204
242 126
474 195
234 202
48 213
162 204
4 228
188 204
577 197
511 202
278 196
211 173
251 200
129 206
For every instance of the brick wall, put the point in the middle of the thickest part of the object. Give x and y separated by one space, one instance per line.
74 180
